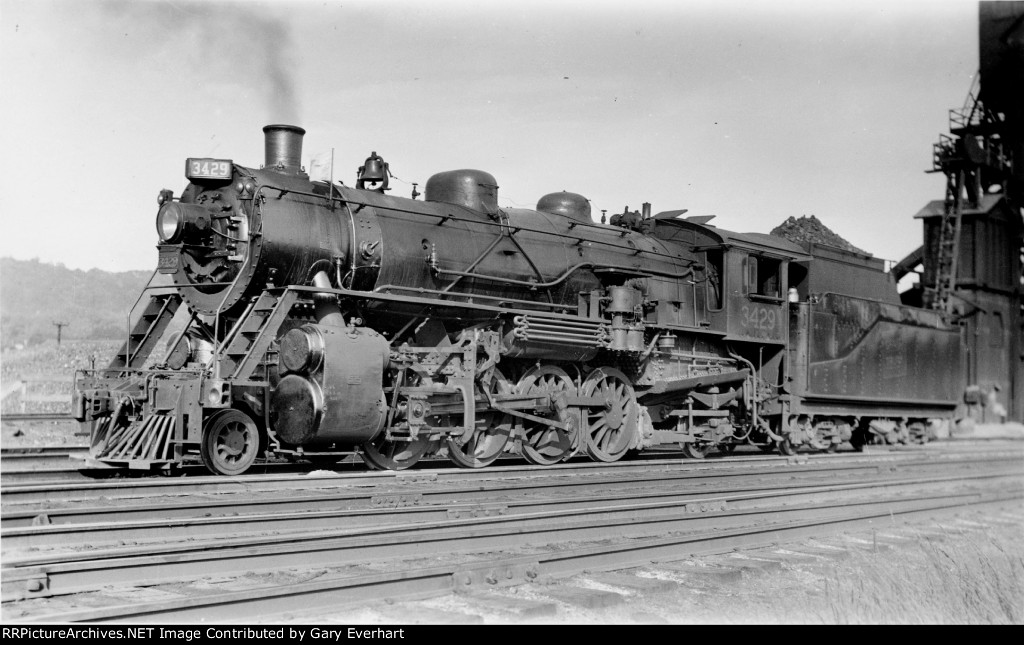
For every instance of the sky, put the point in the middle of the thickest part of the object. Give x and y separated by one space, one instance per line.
753 111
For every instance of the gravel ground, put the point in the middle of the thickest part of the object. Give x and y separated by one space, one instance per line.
965 569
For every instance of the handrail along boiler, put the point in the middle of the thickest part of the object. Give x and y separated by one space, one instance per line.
321 319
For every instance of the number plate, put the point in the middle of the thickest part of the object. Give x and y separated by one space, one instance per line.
208 168
168 263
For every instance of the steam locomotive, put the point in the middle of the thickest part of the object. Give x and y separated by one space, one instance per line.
304 319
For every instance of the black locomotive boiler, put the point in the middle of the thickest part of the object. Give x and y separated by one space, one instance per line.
307 319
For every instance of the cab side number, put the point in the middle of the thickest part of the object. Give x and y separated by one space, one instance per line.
758 318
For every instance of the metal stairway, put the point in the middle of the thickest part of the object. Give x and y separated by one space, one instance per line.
247 345
147 330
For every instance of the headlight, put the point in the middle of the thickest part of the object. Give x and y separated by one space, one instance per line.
175 221
170 222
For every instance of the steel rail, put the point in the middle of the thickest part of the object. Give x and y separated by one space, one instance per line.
58 511
36 416
41 483
38 462
417 581
584 473
56 476
106 533
50 473
60 477
15 451
24 463
64 573
18 497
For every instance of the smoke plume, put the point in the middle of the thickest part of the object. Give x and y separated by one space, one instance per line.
245 42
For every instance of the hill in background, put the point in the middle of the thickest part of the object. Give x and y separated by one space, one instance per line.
34 295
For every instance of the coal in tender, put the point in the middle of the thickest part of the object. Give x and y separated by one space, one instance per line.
810 229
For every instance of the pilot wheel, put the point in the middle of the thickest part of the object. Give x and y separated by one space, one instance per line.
230 442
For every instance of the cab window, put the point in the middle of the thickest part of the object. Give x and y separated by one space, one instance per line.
713 261
763 277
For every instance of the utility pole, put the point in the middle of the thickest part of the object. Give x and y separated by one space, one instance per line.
60 325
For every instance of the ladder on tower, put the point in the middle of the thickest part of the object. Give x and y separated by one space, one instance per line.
948 251
147 330
960 159
247 345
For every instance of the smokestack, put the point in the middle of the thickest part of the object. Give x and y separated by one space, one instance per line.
283 146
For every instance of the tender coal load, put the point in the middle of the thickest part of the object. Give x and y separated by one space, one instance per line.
810 229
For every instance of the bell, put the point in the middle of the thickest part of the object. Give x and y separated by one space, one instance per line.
373 169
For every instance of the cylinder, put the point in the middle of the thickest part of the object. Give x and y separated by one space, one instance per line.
342 403
283 148
302 350
297 407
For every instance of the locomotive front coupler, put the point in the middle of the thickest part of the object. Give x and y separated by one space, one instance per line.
95 393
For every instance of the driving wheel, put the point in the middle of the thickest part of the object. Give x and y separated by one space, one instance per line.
543 444
382 453
609 430
490 434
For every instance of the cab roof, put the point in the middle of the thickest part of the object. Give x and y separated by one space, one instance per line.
753 242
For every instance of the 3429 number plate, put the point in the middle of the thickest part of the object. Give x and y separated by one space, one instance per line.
168 263
207 168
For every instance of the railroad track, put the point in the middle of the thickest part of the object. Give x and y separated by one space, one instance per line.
355 472
58 465
36 416
556 527
40 463
103 533
49 464
351 474
426 493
